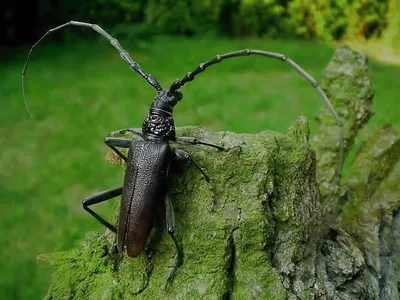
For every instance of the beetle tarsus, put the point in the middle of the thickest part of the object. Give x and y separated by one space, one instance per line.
147 271
177 263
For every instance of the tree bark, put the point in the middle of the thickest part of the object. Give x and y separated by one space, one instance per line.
282 227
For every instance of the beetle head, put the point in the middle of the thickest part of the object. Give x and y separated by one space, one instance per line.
165 100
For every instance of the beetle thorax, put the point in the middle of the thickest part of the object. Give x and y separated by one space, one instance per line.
159 124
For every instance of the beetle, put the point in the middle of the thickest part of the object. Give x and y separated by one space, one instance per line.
150 157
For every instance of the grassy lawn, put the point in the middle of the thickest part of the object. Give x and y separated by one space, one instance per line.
79 92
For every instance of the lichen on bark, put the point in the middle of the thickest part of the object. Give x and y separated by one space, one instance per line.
269 235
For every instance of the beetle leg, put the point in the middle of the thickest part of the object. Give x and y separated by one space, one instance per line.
148 269
169 212
114 142
98 198
194 141
136 131
183 155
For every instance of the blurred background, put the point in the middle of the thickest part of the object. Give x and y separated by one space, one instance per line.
79 89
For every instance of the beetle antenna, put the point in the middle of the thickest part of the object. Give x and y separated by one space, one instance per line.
177 84
123 53
25 102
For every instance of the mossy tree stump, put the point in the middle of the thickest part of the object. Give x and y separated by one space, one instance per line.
282 226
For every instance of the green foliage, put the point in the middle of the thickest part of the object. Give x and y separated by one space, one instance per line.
367 18
182 16
310 19
392 32
258 18
113 11
321 19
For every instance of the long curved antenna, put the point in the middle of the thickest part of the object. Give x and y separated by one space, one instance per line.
217 59
123 53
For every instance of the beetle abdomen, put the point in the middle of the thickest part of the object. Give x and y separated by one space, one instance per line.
144 185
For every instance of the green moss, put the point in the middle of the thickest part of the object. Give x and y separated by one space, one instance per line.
347 84
373 164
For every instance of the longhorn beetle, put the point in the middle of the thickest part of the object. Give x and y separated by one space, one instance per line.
150 158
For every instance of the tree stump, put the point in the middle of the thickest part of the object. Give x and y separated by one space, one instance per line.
282 227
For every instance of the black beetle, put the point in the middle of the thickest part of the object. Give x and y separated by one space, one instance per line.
149 159
147 167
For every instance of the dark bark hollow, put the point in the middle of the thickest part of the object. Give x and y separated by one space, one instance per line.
282 228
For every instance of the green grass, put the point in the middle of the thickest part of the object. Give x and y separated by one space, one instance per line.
79 92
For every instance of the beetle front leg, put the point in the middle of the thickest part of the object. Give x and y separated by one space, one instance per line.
183 155
169 212
135 131
194 141
114 142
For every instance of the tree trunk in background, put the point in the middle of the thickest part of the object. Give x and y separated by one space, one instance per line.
282 227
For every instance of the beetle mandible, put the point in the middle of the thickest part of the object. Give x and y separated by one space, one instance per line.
150 158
